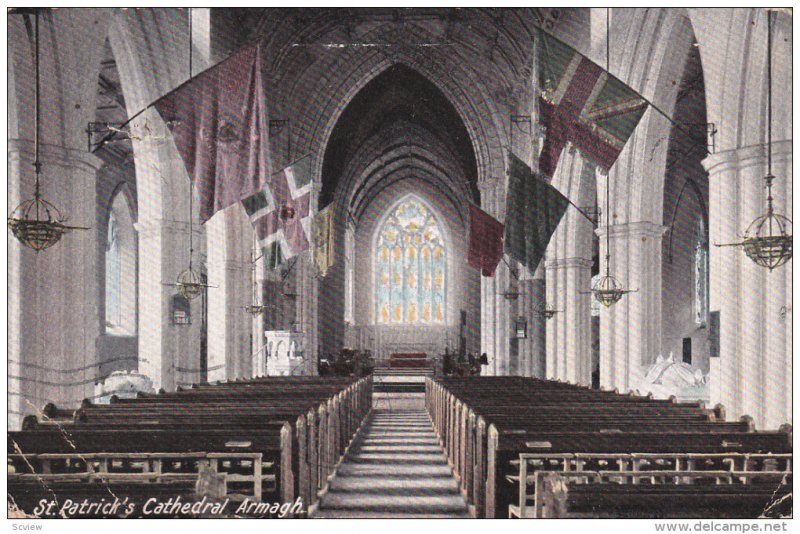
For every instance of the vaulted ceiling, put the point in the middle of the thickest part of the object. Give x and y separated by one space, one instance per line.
402 121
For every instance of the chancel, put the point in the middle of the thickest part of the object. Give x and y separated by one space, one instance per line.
400 262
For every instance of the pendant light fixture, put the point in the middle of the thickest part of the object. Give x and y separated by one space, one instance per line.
608 290
548 313
189 283
37 223
254 308
768 239
512 293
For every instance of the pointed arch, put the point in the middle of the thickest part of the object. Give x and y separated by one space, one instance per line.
120 266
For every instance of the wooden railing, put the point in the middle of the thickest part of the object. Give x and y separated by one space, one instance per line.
150 468
535 488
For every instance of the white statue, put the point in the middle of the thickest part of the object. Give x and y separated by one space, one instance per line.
123 384
666 378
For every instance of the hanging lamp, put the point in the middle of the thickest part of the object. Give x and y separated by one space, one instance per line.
607 289
768 239
36 222
548 313
511 294
190 283
254 308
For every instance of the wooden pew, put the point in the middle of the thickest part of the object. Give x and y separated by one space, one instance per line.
642 469
317 419
235 475
484 422
459 423
572 495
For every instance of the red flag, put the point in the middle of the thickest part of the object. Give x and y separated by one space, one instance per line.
220 125
485 241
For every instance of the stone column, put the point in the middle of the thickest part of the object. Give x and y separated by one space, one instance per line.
229 325
569 332
630 330
258 346
53 294
169 354
752 375
530 352
306 311
488 290
495 309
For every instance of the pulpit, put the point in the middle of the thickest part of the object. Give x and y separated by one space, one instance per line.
284 354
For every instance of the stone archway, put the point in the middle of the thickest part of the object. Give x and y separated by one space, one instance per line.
384 147
150 67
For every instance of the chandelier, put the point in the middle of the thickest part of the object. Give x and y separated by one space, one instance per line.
768 239
607 289
37 223
511 294
190 283
548 313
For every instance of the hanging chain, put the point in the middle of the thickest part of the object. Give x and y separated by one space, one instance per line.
608 175
37 165
253 269
769 176
191 190
191 70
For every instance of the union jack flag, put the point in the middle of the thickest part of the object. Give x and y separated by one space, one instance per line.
579 102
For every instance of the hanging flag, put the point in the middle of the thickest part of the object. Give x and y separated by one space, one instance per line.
281 214
485 241
533 210
220 125
324 239
580 103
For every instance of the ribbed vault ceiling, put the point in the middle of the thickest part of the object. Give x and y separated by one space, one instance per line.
399 123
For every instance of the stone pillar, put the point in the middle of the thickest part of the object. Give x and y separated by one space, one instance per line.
537 357
630 330
569 332
53 294
495 309
257 328
488 290
752 375
306 309
528 354
229 325
169 354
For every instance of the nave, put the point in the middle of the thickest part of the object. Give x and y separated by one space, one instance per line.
395 469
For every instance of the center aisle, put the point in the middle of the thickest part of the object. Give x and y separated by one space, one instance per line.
394 469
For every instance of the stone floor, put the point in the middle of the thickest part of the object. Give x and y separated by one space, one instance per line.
394 469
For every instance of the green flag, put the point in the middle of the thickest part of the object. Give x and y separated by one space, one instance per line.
533 210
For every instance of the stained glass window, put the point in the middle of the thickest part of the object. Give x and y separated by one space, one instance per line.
411 267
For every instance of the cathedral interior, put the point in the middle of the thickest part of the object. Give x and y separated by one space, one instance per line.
406 117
